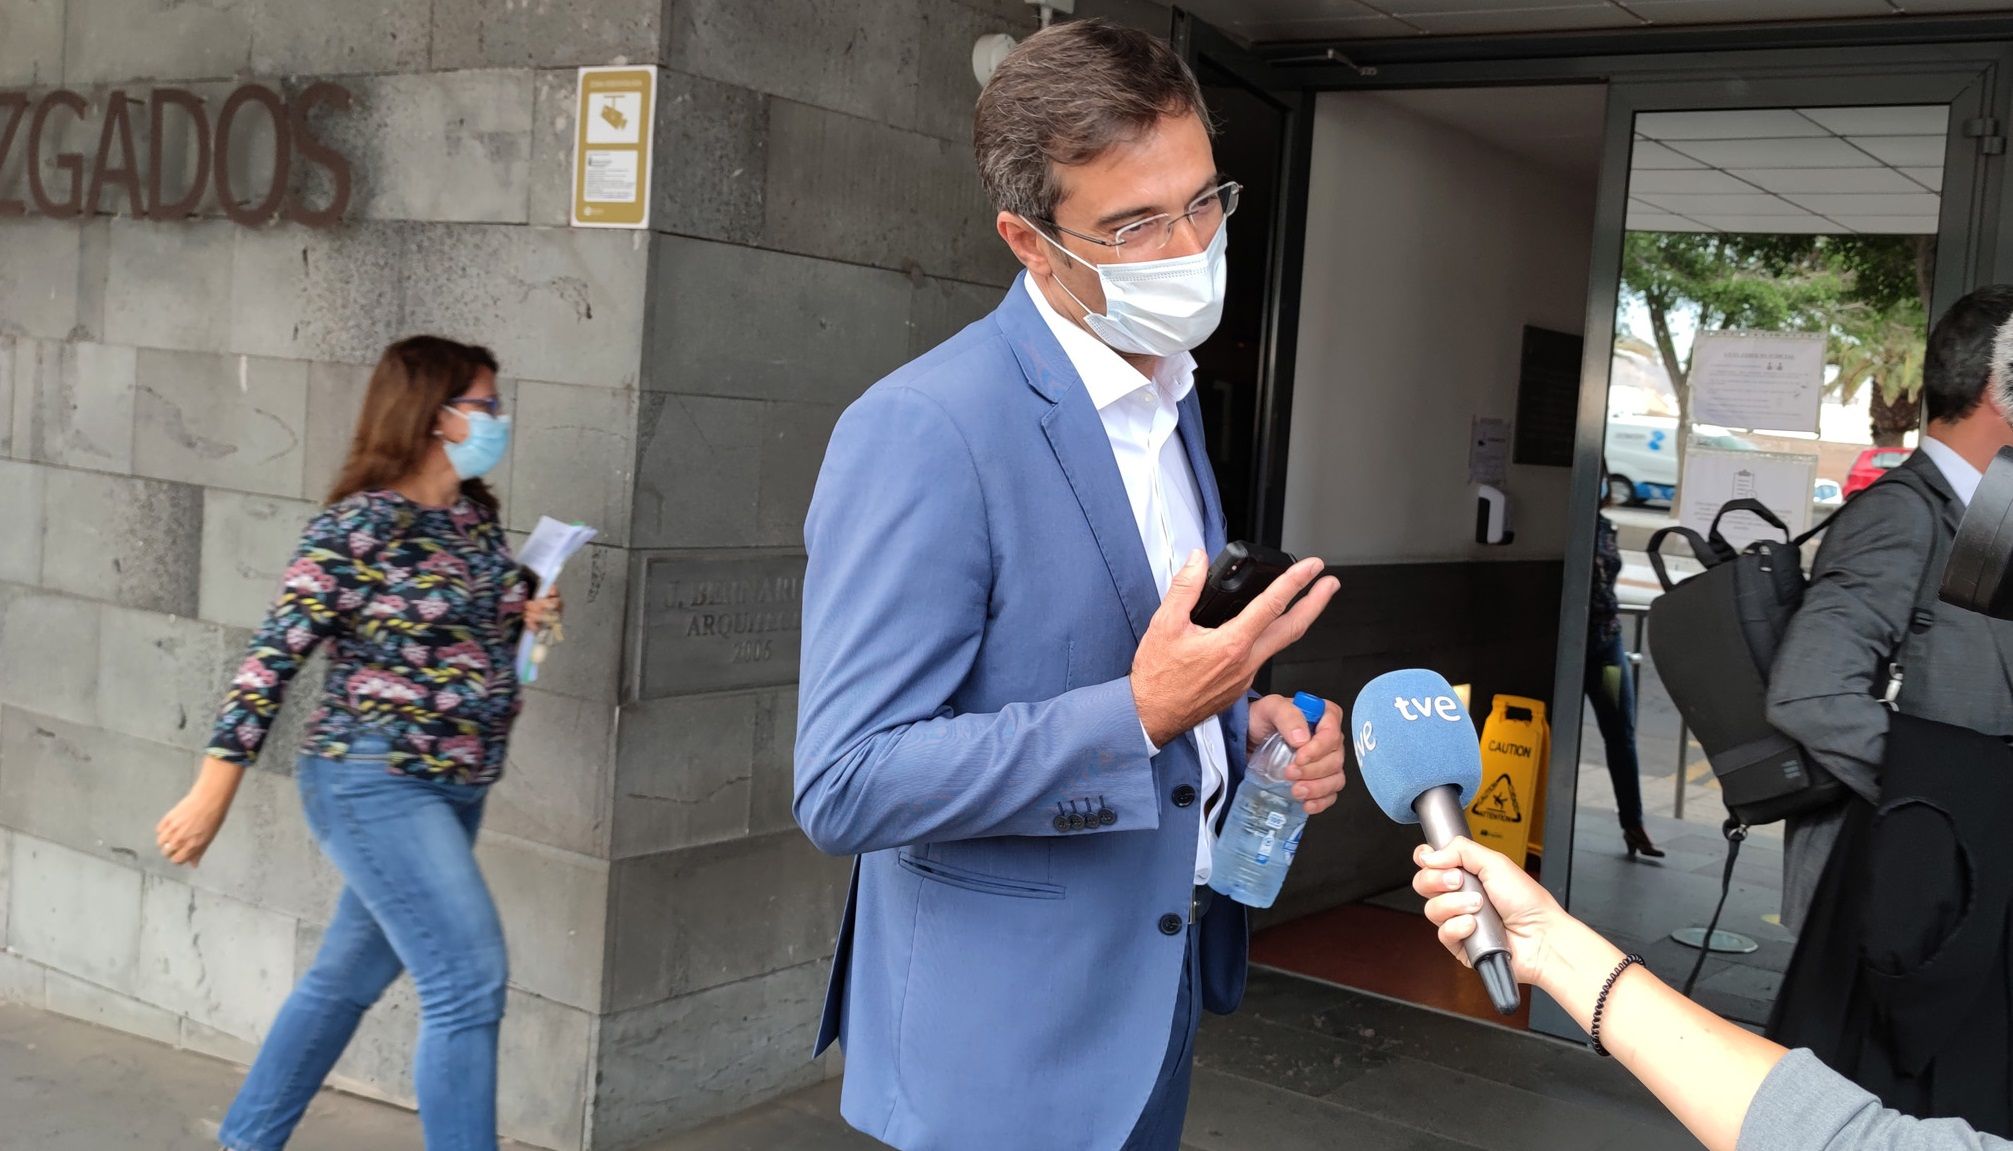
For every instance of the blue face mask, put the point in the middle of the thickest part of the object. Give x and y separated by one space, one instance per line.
478 455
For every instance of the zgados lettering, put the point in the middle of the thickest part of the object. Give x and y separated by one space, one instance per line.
200 152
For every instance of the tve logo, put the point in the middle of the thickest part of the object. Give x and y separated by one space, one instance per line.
1366 740
1432 707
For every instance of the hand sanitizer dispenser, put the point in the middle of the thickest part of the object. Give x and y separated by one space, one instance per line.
1492 515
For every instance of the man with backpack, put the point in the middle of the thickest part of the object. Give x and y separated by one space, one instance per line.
1871 638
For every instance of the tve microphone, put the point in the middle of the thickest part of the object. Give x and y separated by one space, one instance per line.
1422 761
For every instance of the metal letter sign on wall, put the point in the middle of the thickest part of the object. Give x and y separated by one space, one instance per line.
191 152
611 147
720 622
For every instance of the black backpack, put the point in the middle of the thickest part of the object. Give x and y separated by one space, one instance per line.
1714 639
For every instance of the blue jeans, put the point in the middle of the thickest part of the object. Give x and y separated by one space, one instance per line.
1611 688
413 900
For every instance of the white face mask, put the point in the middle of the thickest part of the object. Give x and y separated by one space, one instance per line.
1156 307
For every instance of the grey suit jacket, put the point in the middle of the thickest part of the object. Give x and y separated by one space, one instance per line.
1805 1106
1855 616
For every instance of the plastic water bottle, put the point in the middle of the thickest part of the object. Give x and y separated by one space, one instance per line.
1263 829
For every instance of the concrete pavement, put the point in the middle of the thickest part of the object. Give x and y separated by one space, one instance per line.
70 1086
1305 1067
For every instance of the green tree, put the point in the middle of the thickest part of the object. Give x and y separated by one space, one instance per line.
1868 293
1771 283
1883 351
1881 333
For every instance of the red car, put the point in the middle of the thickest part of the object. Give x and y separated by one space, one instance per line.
1870 466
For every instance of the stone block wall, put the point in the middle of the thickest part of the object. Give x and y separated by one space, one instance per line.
822 222
174 401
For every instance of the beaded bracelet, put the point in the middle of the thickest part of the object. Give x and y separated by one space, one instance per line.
1601 1004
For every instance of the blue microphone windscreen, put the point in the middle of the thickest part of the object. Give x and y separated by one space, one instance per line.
1412 735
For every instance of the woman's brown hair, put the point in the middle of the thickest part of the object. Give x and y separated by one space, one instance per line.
414 380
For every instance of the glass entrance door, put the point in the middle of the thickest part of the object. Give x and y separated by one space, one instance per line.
1768 259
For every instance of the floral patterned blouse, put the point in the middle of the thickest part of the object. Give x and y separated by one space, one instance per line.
424 607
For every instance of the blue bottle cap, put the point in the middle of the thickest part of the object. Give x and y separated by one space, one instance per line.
1311 706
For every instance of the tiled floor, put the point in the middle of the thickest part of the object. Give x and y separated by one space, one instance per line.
1310 1067
1382 946
1304 1067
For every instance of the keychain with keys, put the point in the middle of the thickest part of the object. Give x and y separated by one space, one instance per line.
547 637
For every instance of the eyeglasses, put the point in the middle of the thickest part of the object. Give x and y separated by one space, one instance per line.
1149 236
491 404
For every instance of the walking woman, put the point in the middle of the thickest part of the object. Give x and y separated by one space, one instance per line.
1611 684
408 577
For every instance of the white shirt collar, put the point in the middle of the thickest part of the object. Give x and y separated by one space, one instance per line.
1106 374
1964 479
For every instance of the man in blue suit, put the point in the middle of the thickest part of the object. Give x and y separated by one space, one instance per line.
1006 713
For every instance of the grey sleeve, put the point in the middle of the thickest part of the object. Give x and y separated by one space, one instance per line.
1805 1106
1855 615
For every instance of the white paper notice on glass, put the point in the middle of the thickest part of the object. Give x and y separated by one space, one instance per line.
545 554
1712 479
1760 381
1489 452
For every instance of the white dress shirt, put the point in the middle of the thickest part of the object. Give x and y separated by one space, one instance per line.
1140 417
1964 479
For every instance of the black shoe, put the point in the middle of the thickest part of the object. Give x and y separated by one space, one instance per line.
1638 842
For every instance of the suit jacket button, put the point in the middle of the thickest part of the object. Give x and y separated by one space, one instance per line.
1076 821
1106 817
1061 822
1184 796
1170 925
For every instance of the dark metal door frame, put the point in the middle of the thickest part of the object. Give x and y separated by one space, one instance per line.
1963 62
1198 42
1970 203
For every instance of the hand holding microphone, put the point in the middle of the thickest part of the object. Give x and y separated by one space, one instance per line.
1530 916
1422 761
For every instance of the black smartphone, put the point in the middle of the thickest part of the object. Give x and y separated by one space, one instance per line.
1240 574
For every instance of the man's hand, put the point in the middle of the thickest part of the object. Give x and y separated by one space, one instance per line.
1316 770
1183 674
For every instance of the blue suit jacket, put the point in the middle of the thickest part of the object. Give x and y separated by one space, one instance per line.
975 594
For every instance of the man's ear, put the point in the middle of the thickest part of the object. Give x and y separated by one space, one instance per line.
1993 398
1034 252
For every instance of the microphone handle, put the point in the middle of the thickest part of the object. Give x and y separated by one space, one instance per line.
1488 949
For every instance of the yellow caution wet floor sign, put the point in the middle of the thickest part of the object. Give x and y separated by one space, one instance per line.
1508 813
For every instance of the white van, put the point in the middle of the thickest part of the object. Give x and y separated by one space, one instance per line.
1641 456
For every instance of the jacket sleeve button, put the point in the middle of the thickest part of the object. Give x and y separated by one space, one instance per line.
1106 817
1060 822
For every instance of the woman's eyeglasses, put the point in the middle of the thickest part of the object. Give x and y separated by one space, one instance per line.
491 404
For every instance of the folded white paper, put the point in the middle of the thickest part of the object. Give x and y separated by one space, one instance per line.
551 544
